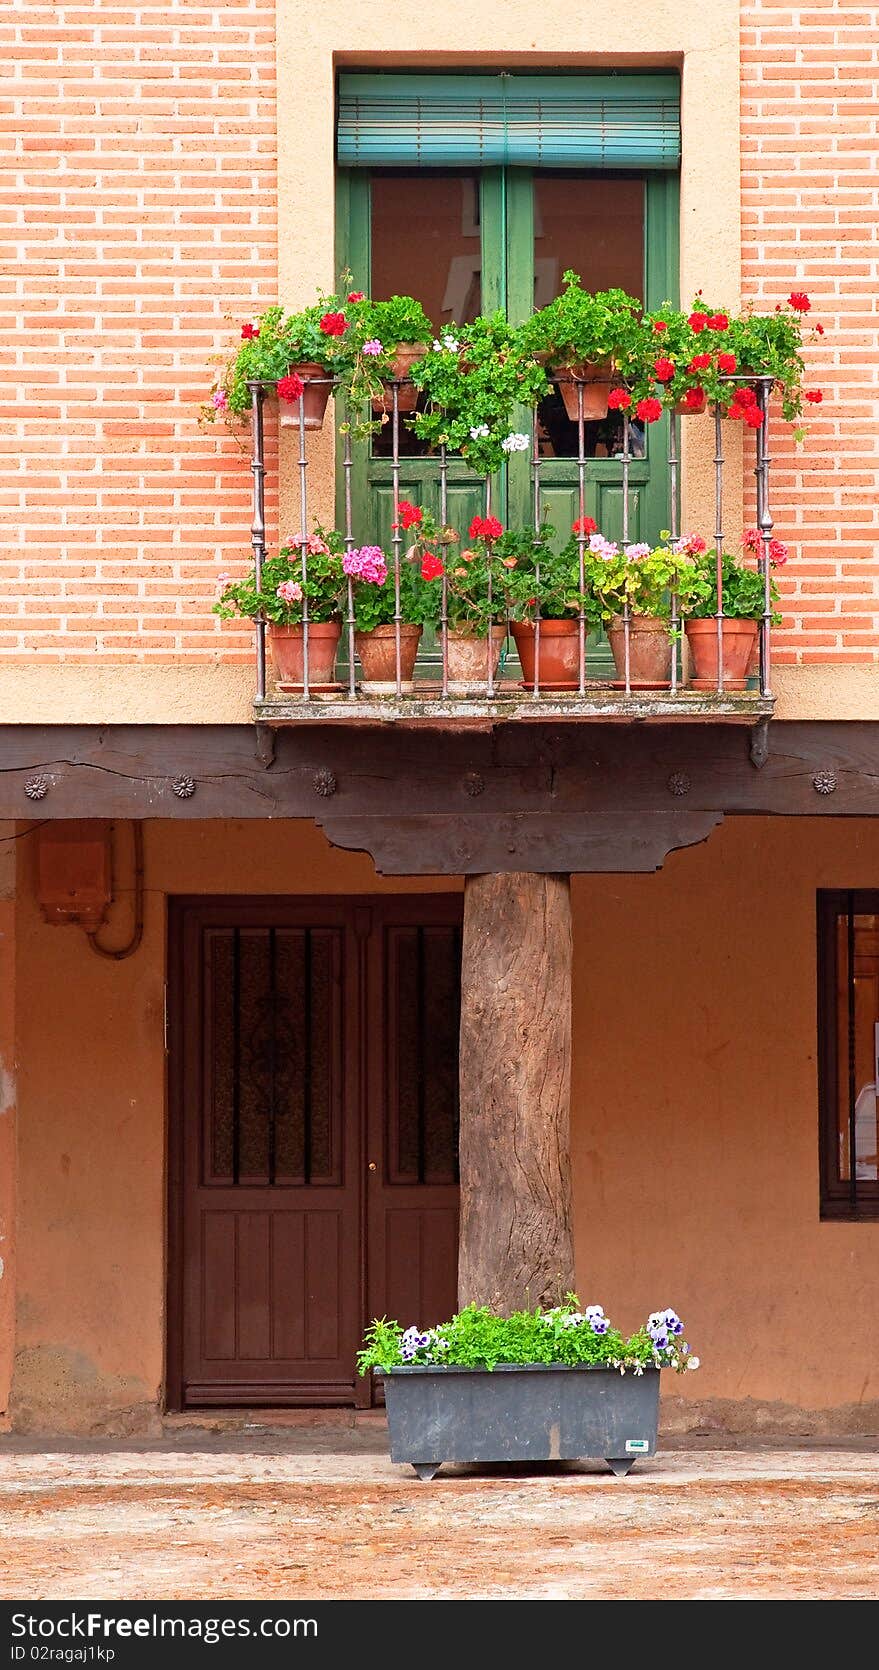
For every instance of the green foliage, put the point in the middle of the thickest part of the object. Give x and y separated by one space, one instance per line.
324 588
401 319
477 1338
580 326
375 605
541 578
473 378
770 345
642 577
743 596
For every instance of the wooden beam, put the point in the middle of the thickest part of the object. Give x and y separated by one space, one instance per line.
516 1244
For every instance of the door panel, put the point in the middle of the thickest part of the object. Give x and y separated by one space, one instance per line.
299 1029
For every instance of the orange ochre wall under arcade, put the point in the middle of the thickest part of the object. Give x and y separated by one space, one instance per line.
694 1139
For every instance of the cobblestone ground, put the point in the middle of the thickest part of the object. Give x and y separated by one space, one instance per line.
321 1513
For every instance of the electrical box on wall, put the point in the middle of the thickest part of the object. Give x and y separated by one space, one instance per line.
74 878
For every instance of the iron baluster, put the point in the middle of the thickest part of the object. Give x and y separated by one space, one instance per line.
395 532
489 668
535 477
718 536
444 604
258 524
627 613
303 541
674 622
349 546
581 544
765 526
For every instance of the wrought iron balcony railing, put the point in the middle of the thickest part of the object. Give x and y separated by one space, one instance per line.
503 693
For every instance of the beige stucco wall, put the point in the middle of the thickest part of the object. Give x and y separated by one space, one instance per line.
694 1123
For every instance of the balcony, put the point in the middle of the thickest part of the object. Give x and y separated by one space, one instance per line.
500 686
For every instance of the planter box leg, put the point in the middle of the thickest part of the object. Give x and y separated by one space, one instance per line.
426 1470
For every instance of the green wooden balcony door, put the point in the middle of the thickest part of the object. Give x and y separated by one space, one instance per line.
469 241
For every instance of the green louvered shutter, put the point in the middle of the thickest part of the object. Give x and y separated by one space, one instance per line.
527 121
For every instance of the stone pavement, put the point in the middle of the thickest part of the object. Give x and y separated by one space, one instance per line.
268 1511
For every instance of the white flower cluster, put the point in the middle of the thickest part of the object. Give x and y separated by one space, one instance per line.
446 343
516 442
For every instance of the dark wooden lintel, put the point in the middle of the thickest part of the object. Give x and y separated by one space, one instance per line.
549 797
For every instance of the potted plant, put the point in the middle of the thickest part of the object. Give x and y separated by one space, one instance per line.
584 338
631 587
472 379
543 586
476 604
744 601
554 1385
377 634
771 345
687 356
300 353
287 583
390 337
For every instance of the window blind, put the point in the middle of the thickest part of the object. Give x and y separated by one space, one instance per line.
527 121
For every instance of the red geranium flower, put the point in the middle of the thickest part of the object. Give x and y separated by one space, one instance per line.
334 324
694 400
726 363
718 322
431 567
355 295
698 321
745 397
820 329
585 525
663 370
660 325
752 416
290 388
249 332
699 362
814 396
619 400
409 514
649 410
799 301
485 527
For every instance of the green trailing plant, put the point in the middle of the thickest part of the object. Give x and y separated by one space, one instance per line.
580 326
272 345
473 378
476 1338
378 329
279 598
771 345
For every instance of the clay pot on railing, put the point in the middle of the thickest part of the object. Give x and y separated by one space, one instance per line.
314 399
467 661
738 646
377 650
407 353
558 653
595 378
288 654
650 652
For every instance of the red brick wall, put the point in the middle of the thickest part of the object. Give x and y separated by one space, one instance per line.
810 84
138 204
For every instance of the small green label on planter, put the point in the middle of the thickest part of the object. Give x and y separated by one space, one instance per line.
637 1446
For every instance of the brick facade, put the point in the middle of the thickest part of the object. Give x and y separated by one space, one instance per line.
139 206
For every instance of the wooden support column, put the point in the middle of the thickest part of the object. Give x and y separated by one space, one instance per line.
516 1245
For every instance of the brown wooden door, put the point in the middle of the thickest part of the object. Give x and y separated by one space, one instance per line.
310 1040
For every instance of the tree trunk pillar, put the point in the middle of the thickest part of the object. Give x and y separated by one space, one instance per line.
516 1247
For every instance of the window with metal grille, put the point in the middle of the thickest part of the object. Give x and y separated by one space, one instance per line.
848 1052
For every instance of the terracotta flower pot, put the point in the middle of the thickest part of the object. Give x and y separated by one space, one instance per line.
378 658
683 410
288 653
468 661
596 380
315 397
407 394
650 652
559 653
739 641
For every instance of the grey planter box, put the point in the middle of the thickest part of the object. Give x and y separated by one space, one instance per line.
536 1412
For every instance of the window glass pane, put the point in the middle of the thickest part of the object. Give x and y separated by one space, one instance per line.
426 241
594 225
857 1021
